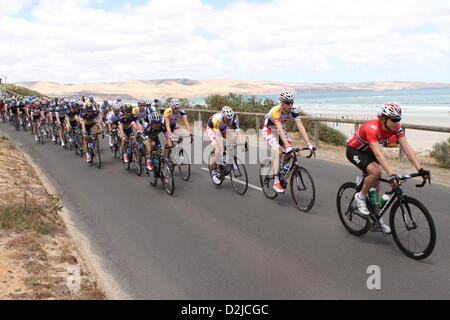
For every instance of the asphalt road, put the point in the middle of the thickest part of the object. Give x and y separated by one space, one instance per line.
210 243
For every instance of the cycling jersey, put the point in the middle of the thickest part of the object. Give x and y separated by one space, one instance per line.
174 117
2 106
275 115
72 115
61 111
372 131
217 122
89 119
152 133
126 121
141 116
112 118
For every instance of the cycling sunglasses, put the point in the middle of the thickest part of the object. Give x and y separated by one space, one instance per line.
395 120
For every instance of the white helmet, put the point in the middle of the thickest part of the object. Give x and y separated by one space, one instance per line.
227 112
119 98
117 107
287 96
391 110
175 103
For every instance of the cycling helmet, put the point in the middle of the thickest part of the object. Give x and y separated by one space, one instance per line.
119 98
89 107
140 101
148 102
128 108
287 96
391 110
175 103
155 117
227 112
117 107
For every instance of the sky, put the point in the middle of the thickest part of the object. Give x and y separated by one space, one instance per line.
321 41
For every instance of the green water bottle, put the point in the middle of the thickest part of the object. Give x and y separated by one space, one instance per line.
373 197
385 198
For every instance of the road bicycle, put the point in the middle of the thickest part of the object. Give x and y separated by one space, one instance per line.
236 170
75 140
137 153
161 170
40 132
115 142
93 148
411 224
179 158
302 187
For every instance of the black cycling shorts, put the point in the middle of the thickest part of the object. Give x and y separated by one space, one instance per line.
360 159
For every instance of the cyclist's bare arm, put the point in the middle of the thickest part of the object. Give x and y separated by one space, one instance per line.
409 152
167 123
186 124
280 130
303 132
218 138
375 146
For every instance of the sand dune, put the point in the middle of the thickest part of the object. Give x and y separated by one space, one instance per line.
199 88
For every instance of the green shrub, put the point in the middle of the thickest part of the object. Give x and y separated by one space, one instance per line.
441 152
20 91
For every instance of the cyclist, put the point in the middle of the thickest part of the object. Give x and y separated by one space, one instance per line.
36 115
2 108
141 112
72 117
104 110
52 118
364 151
60 119
276 136
90 120
151 136
93 103
219 126
112 120
126 123
172 115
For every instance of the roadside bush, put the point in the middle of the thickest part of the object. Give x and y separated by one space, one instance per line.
441 152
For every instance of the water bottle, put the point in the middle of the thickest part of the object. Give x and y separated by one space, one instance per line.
128 150
155 163
384 199
373 197
91 145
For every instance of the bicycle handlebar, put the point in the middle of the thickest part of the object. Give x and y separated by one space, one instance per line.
311 152
410 176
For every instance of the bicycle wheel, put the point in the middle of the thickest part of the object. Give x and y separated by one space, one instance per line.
126 165
222 177
153 176
137 161
167 179
352 220
303 190
238 177
41 136
97 153
184 165
266 178
412 228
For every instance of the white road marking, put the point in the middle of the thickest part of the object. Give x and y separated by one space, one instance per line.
241 182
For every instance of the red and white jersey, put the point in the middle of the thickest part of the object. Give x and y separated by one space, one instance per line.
372 131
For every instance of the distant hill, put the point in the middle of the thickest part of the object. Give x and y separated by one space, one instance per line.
199 88
16 90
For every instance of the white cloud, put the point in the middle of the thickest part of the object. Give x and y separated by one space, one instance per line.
12 7
69 41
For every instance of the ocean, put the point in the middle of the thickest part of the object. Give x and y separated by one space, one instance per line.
430 103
